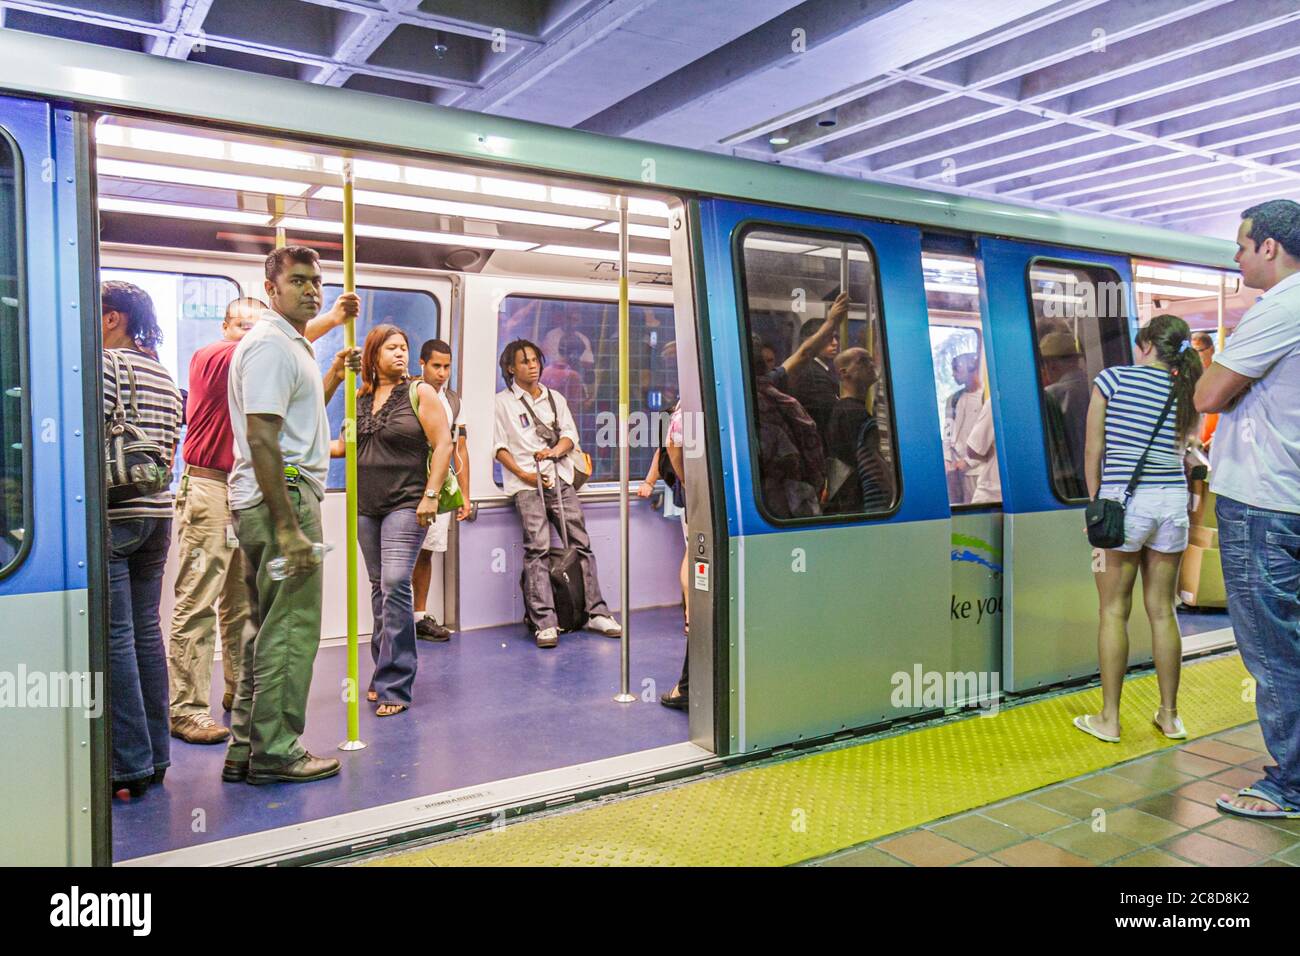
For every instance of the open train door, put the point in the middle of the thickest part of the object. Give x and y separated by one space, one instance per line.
53 680
827 606
1055 317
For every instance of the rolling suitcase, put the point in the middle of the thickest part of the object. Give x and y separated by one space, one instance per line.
565 566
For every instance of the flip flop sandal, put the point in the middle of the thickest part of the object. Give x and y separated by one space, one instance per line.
391 712
371 696
1180 732
1084 723
1284 812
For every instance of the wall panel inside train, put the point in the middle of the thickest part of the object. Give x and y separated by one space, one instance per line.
477 257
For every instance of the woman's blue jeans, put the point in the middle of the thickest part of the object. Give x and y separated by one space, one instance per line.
390 546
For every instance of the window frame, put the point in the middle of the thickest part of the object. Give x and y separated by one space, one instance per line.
594 485
1127 358
739 234
24 356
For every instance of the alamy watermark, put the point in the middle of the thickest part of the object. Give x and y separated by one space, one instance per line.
82 690
946 689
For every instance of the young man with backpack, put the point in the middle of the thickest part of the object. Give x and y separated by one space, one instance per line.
435 369
533 438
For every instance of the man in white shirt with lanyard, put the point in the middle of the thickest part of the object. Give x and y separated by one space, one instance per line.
435 368
1254 383
526 412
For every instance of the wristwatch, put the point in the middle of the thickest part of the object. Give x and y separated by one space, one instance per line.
430 494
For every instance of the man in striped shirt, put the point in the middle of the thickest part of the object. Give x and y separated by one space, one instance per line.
139 537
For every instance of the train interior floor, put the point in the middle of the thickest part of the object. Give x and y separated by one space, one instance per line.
488 705
1018 787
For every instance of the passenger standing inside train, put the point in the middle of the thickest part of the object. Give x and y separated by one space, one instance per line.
435 369
139 531
814 383
1135 408
818 342
1254 384
210 586
399 420
961 411
791 459
1204 346
533 435
1066 384
981 447
858 478
277 416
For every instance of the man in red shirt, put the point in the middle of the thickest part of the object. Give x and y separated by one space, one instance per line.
210 587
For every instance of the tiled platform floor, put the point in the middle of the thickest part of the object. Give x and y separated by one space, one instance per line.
1155 811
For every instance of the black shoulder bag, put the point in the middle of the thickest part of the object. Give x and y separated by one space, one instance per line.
135 465
1105 518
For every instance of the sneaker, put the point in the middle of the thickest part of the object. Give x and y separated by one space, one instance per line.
604 624
428 629
198 729
548 637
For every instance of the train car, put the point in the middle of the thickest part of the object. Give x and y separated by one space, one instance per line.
818 607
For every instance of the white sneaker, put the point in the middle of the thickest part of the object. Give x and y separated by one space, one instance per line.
604 624
548 637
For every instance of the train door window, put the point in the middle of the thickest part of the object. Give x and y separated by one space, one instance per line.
414 311
961 379
579 340
14 484
190 309
820 399
1080 327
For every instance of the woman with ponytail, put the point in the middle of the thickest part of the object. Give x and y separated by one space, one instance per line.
1142 414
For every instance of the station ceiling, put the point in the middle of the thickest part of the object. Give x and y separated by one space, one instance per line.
1179 113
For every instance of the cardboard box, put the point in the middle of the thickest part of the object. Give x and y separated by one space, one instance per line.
1200 580
1202 505
1204 537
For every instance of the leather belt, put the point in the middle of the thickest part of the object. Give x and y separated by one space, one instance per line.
212 474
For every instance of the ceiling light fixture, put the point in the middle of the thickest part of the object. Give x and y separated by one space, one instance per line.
607 255
448 207
141 208
198 177
408 235
636 229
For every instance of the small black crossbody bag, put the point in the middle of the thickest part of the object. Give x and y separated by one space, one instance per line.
1105 518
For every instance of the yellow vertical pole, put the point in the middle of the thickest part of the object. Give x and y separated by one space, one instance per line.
1223 296
624 695
354 741
279 217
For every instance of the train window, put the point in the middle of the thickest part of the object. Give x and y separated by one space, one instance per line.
580 342
14 484
414 311
1080 327
190 309
960 379
820 399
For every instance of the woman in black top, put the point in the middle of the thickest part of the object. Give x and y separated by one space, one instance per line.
397 499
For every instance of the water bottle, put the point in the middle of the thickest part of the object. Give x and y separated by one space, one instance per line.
278 568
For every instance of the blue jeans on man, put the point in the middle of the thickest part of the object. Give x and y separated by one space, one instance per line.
1260 550
136 658
390 546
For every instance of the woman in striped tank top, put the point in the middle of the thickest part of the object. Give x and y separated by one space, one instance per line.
1127 401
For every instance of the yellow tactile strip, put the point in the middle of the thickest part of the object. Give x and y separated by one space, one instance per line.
798 809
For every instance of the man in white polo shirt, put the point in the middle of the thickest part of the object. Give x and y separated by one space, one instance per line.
533 434
1254 383
277 414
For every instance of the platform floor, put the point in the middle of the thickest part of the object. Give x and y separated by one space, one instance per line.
922 796
489 705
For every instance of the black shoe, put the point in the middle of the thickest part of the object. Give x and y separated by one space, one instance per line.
675 701
134 788
232 771
158 774
427 629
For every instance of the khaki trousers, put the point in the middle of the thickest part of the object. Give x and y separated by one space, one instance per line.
210 592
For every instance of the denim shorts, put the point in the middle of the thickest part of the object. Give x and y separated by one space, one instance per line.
1156 517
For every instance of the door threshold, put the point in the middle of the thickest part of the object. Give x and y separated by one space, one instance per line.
375 827
1220 639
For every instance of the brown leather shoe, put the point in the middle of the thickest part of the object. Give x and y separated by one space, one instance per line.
198 729
227 701
234 771
303 770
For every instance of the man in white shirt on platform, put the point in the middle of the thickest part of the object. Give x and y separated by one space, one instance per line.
1254 383
532 437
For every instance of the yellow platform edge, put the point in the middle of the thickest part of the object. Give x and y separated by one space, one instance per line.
806 807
